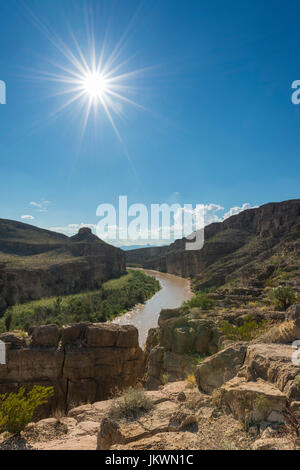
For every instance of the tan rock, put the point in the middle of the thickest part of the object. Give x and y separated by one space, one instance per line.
293 312
221 367
46 335
70 334
273 363
252 401
272 444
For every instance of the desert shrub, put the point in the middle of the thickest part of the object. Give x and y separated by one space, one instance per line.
283 333
201 301
216 397
198 358
191 380
130 404
165 378
262 405
282 297
245 332
17 409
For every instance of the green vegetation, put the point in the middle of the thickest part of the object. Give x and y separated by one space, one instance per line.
262 405
132 403
201 301
245 332
17 409
199 358
115 297
191 380
165 378
282 297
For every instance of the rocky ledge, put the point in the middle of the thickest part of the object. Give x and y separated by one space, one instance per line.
84 362
181 417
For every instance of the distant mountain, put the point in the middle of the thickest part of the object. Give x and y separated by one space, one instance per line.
37 263
246 248
135 247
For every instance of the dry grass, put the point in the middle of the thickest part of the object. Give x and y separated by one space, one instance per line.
131 404
191 381
280 334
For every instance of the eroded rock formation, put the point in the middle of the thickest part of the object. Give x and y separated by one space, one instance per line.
84 362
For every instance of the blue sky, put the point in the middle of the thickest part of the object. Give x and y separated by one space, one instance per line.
219 126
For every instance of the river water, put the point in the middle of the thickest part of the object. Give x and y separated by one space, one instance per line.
174 291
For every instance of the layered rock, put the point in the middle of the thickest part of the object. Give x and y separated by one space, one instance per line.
253 402
36 263
83 362
180 341
221 367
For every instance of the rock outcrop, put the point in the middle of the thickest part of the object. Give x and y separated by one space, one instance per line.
253 402
172 423
183 339
36 263
220 367
84 362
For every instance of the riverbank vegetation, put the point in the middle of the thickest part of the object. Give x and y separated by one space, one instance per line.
115 297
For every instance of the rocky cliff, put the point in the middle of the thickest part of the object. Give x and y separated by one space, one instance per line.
237 248
37 263
84 362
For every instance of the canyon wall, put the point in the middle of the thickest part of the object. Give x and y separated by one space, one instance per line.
41 263
84 362
232 247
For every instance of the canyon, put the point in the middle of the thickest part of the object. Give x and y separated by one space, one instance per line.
212 383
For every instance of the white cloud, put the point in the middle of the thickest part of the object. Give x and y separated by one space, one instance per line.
212 213
27 217
40 206
237 209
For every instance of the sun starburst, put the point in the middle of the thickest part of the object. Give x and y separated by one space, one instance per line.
95 79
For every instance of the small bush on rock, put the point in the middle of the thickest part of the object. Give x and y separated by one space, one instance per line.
130 404
201 301
17 409
282 297
191 381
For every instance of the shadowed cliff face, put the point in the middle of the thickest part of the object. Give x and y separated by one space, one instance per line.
231 248
37 263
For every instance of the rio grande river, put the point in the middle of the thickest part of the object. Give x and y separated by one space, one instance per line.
174 291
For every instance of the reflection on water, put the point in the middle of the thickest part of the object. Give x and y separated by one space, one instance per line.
174 291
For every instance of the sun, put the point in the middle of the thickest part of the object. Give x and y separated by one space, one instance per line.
95 85
94 79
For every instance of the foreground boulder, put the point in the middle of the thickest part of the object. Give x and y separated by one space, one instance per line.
253 402
274 363
221 367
